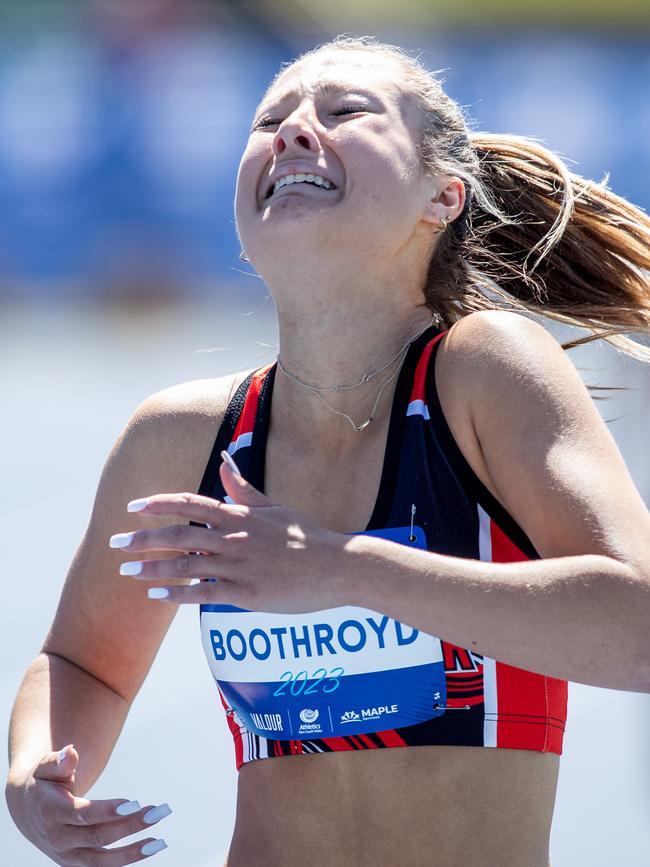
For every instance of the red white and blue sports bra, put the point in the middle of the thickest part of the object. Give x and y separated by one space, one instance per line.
351 678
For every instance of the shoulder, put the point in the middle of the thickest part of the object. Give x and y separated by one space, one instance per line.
176 427
168 438
499 337
499 355
171 410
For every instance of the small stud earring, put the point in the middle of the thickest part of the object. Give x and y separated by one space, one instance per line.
445 223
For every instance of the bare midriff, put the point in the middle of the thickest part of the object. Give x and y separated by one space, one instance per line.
438 806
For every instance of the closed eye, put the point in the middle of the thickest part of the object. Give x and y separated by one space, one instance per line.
348 109
344 109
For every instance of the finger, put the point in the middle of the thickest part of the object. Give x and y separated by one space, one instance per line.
61 807
239 490
170 568
104 834
58 766
195 507
120 855
210 592
176 537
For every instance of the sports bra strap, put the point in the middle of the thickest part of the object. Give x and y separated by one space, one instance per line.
224 436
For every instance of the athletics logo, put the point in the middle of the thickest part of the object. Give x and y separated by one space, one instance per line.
350 716
308 725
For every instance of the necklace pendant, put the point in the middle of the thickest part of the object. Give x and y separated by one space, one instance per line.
363 425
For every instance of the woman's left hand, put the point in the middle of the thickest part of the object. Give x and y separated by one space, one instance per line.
265 556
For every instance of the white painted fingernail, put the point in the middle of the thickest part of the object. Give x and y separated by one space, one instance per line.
153 847
128 808
230 461
131 567
121 540
157 593
137 505
62 754
156 814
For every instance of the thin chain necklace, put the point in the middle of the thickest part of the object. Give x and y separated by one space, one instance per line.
317 389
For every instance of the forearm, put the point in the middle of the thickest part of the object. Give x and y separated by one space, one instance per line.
58 704
582 618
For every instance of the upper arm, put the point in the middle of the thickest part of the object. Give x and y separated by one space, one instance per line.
105 622
550 456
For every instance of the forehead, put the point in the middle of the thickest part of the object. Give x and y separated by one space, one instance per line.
331 71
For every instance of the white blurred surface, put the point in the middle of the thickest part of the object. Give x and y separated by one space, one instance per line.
70 379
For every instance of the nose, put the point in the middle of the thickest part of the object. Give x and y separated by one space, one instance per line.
294 133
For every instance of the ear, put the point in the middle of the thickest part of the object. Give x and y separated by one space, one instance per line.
446 200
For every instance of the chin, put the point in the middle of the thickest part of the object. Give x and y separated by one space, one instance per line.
294 205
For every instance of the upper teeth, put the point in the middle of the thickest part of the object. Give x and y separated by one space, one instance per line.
300 178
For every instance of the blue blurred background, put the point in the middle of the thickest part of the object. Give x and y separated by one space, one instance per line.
121 126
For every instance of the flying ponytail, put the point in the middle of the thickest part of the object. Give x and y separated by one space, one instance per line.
551 242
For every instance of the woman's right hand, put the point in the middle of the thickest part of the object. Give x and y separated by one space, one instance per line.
72 831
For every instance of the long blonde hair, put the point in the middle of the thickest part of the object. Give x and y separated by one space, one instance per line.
533 236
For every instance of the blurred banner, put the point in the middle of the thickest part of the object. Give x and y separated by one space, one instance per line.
469 13
122 123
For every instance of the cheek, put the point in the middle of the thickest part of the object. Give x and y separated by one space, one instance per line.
250 168
390 156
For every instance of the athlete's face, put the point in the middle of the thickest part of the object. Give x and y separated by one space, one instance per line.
339 116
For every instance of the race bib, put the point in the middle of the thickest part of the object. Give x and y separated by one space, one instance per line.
340 671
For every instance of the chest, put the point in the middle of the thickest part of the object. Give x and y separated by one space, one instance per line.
342 489
339 491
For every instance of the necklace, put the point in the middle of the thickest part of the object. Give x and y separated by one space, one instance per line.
317 389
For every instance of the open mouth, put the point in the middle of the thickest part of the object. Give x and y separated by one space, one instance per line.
300 178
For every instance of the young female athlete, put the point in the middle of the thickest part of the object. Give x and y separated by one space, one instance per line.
434 529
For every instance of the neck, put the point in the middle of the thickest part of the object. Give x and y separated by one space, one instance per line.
338 346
